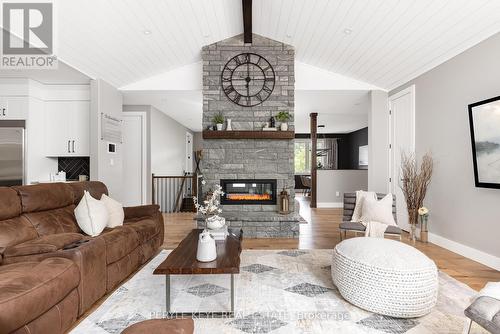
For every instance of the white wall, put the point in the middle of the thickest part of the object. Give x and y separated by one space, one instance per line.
332 181
462 217
168 147
378 142
104 166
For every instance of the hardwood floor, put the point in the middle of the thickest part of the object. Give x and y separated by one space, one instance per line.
321 232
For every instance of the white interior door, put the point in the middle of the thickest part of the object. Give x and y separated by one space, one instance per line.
134 158
189 152
402 138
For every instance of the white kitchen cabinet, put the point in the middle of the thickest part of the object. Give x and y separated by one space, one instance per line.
14 108
67 125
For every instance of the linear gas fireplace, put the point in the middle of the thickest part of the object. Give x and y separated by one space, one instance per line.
248 192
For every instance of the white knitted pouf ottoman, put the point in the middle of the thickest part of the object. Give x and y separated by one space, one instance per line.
385 276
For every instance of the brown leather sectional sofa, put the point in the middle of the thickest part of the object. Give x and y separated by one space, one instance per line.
50 271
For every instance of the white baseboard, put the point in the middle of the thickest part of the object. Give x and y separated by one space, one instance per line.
469 252
330 205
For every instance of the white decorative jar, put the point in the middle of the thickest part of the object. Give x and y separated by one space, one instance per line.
284 126
219 126
207 250
229 127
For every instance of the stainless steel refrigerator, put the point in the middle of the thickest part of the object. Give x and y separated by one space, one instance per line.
12 139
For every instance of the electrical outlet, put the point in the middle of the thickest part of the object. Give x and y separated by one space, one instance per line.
337 193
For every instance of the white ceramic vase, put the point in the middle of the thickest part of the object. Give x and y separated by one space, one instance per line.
215 222
206 251
284 126
229 127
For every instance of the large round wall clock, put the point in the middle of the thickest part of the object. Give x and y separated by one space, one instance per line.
248 79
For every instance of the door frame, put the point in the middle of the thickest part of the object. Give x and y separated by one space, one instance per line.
188 169
144 164
408 90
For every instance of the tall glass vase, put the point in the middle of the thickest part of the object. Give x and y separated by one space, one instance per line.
413 220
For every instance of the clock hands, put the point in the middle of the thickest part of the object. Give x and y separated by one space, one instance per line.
248 79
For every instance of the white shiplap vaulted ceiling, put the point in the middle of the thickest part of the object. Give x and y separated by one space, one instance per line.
390 41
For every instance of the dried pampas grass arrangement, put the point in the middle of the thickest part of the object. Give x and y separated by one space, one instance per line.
414 182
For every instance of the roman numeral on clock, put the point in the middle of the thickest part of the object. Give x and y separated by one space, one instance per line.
237 98
228 90
267 89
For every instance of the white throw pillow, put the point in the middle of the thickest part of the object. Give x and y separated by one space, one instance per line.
115 211
378 211
91 215
358 208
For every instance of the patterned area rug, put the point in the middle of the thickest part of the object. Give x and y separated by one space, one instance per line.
288 291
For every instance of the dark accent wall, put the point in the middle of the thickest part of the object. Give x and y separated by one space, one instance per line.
74 166
354 141
348 146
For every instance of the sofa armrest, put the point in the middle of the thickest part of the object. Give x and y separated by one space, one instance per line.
132 212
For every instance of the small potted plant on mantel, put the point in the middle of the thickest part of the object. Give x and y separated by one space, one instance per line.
283 117
219 121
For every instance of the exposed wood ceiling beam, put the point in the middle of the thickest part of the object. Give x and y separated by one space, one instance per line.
247 21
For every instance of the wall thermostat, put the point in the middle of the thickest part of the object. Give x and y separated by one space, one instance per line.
111 148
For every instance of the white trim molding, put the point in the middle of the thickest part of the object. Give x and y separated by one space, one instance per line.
336 205
467 251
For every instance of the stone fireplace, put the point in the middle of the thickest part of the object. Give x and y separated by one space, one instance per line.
252 170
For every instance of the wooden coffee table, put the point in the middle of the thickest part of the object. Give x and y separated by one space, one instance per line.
182 261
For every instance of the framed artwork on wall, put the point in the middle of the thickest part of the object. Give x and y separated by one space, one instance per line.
484 120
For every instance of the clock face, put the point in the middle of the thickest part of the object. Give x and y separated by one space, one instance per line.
248 79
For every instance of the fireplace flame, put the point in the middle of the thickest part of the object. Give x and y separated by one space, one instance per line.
249 197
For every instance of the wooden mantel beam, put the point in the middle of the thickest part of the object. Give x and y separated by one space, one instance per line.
247 21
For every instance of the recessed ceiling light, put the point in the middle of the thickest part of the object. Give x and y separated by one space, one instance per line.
146 32
347 31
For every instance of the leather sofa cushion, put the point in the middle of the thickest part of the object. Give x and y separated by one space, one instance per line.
120 241
45 244
29 289
10 204
162 326
139 212
15 230
57 320
145 229
54 221
41 197
95 188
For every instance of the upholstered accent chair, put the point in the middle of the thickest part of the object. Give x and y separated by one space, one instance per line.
485 311
347 225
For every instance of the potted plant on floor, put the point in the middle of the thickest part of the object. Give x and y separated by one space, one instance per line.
219 121
414 183
283 117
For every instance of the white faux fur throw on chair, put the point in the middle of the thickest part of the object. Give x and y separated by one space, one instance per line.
374 229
